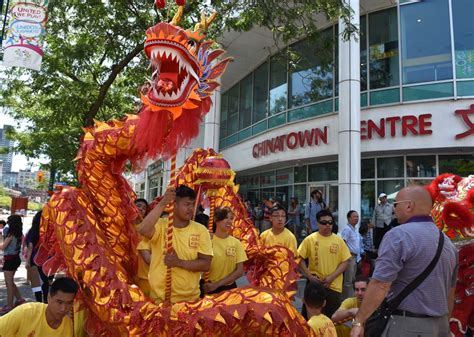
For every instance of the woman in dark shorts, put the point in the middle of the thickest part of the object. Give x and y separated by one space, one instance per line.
11 252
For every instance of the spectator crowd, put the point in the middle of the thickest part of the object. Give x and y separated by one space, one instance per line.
350 270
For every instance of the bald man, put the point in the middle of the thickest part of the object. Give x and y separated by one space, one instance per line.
404 253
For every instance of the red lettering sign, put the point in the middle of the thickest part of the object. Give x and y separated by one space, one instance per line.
291 141
465 117
393 126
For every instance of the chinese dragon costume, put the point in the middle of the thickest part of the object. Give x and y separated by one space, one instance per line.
453 213
88 232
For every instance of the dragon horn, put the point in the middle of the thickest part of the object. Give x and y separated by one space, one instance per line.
205 23
177 17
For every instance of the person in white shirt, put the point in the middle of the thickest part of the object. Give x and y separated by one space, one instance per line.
381 219
353 241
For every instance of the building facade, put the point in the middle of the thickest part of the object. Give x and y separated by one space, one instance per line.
280 125
283 112
5 143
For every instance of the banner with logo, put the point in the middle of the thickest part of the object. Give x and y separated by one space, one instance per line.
23 46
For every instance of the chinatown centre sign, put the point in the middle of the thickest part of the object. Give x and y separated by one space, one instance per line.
291 141
389 127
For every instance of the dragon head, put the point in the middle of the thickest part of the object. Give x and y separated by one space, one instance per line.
184 75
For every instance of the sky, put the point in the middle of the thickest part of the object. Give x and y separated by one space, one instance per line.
19 162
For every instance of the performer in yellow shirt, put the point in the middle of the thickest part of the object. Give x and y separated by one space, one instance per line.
39 319
192 253
349 307
144 251
278 235
229 255
328 258
314 299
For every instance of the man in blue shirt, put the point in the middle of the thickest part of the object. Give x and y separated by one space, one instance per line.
353 241
404 253
315 205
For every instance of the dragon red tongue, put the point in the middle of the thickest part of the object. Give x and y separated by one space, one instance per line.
168 81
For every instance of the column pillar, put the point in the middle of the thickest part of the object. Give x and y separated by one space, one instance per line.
349 119
212 122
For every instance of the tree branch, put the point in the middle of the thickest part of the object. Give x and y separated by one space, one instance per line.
116 69
72 77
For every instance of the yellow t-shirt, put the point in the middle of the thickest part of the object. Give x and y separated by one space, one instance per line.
323 326
325 254
29 320
344 329
285 239
143 267
227 253
187 242
349 303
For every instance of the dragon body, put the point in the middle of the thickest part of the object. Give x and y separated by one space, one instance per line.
453 213
88 231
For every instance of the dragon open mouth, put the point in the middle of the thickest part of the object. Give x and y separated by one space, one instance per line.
175 73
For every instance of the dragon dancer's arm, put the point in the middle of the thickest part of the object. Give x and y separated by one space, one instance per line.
147 227
305 271
201 264
238 272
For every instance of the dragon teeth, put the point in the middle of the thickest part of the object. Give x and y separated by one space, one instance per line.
160 53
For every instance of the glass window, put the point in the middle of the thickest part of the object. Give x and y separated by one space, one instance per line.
278 85
426 41
383 52
282 195
390 187
253 181
363 53
254 197
462 165
245 107
311 62
285 176
300 193
390 167
367 199
463 37
223 124
233 110
420 182
323 172
267 179
155 187
367 168
260 92
267 193
421 166
301 174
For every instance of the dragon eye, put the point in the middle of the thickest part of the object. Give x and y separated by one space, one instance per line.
191 43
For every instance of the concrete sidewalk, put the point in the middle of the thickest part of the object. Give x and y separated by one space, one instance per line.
22 284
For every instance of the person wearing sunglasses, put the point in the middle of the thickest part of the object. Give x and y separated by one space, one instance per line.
328 257
404 255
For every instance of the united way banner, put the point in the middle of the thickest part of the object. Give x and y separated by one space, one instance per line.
23 44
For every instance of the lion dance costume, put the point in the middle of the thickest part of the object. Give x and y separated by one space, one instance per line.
453 213
88 232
